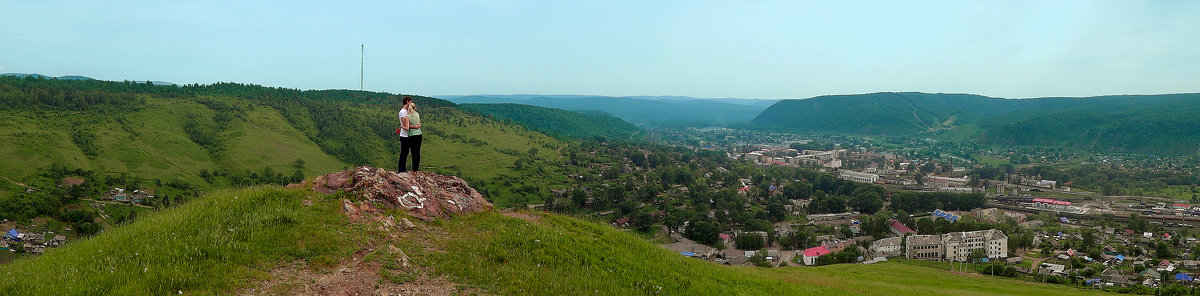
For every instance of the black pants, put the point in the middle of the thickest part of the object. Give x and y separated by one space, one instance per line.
410 144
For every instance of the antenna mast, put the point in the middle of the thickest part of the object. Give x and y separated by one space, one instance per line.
362 63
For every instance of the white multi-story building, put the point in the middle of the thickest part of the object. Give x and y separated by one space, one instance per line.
888 247
924 247
860 177
957 246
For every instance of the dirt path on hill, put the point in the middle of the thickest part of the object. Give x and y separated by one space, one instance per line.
15 182
115 203
477 162
523 216
354 276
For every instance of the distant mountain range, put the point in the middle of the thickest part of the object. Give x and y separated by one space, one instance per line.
73 77
646 110
1126 123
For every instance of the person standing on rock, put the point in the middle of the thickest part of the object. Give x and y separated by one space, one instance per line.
410 135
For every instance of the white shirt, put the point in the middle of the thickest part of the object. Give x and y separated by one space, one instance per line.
403 132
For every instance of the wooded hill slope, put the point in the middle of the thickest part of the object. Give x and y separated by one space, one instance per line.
1167 124
558 122
190 133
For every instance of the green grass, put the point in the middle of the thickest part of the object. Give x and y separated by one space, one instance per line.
230 239
1174 192
473 160
276 143
559 255
992 161
151 143
209 246
961 133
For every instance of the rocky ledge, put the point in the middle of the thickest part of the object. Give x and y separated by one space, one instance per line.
425 195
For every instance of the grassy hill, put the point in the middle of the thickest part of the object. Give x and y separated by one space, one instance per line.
236 240
640 110
558 122
180 141
170 132
1142 124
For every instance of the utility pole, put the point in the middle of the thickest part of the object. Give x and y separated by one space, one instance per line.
362 58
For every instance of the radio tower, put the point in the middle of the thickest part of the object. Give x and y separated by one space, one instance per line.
361 63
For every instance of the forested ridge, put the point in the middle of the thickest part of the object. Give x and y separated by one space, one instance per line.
558 122
1164 124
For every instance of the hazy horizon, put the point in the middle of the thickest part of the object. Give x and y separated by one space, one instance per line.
762 50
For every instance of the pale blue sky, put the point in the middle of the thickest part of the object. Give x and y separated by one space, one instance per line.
756 49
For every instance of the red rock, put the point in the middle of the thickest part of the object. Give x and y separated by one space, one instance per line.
425 195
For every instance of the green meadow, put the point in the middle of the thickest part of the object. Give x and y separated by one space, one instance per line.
230 239
211 245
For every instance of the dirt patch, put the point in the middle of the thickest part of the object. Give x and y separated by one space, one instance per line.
354 276
523 216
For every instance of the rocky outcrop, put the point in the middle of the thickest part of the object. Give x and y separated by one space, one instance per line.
425 195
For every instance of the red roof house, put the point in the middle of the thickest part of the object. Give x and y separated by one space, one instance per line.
899 228
811 254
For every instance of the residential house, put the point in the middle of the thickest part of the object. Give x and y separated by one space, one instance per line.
1151 274
1193 264
835 246
1114 276
811 254
35 238
692 249
58 240
1052 269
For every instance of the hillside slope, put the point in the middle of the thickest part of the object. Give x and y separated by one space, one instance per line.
559 122
1128 123
240 241
177 133
878 113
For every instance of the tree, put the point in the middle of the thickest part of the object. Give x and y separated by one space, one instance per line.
976 255
642 219
926 226
776 212
18 248
760 259
1137 222
578 197
830 204
866 202
797 190
703 232
757 225
87 228
1163 251
749 241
